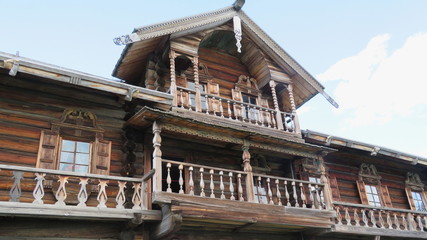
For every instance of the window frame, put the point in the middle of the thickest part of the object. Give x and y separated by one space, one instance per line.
89 153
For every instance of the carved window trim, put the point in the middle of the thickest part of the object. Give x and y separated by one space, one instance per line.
368 176
75 125
413 184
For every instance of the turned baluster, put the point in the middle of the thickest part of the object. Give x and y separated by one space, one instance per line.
202 183
381 220
231 187
278 194
347 217
425 221
221 184
389 222
82 196
356 217
38 192
61 193
396 221
262 120
228 109
404 223
259 116
410 222
270 193
181 99
15 191
310 189
273 120
302 195
259 190
221 108
268 121
207 104
212 186
243 112
181 179
168 178
373 220
365 218
236 113
285 125
239 187
339 217
420 223
214 106
288 203
191 182
102 194
121 198
318 198
190 103
136 198
295 195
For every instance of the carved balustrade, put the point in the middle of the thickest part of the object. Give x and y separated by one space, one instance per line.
288 192
214 105
91 190
358 215
204 181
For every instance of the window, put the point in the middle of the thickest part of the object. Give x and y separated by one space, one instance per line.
313 188
74 156
418 201
75 143
260 194
373 196
250 113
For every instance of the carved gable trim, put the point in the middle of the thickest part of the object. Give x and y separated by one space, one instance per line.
368 173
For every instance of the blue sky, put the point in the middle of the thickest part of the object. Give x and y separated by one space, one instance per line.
370 55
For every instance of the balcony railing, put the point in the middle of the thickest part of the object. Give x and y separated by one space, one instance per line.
239 111
380 217
53 190
210 182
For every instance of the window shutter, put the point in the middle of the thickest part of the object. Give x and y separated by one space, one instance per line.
362 192
408 191
101 157
213 89
334 189
48 150
386 196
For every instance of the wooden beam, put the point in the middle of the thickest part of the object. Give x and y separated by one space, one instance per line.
171 223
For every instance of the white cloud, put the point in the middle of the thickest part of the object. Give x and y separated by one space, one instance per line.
375 86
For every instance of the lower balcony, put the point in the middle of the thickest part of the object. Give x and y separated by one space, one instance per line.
240 201
358 219
34 192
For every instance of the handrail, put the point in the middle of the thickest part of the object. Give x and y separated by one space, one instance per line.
287 179
377 208
202 166
75 174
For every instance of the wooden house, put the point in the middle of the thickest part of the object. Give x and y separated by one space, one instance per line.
201 140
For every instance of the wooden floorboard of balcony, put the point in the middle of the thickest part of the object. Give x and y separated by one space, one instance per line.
207 213
73 212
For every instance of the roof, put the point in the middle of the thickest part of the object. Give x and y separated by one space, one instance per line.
374 150
144 40
20 65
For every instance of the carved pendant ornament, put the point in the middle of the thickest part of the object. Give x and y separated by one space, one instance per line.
238 32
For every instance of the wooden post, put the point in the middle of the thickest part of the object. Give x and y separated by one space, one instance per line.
279 122
172 91
198 98
157 158
327 193
294 109
250 194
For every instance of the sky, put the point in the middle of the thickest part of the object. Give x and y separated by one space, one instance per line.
371 55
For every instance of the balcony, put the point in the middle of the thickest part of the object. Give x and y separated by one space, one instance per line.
241 200
380 221
247 113
35 192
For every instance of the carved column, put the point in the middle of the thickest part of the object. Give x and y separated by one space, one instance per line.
246 156
172 57
294 109
276 105
196 83
157 158
327 193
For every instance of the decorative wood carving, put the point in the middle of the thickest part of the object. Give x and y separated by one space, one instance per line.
102 194
172 90
15 190
157 158
368 173
61 193
82 196
136 199
121 198
38 192
414 182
